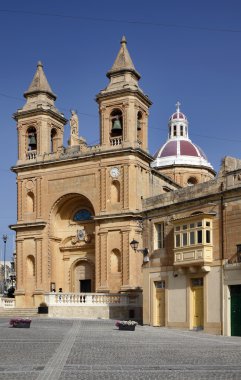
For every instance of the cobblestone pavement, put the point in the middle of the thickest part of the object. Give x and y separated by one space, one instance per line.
54 349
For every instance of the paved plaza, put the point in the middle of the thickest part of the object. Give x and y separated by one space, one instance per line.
95 349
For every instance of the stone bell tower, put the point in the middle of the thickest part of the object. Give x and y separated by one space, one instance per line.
123 106
40 124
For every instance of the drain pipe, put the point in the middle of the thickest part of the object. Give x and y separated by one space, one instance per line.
222 257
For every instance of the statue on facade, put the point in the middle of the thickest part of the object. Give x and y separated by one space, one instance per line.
74 123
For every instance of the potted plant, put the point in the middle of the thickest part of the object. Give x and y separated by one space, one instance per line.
43 308
126 325
20 322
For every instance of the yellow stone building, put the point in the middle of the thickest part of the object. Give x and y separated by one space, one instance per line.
78 207
82 209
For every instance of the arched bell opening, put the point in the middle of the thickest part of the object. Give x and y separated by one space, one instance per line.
116 121
53 141
139 126
31 139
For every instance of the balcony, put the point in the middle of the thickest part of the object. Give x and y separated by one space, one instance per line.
193 256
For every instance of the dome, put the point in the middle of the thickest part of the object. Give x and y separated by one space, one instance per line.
179 149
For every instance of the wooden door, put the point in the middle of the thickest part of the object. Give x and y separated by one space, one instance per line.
159 308
197 307
235 310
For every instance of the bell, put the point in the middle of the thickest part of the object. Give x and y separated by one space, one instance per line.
116 127
32 140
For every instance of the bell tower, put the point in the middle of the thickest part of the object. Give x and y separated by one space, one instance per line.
123 106
40 124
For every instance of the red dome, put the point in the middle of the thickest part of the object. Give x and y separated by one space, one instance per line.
180 148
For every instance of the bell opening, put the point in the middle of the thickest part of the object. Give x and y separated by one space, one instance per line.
32 139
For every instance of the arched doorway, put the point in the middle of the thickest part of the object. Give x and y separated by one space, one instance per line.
83 277
72 244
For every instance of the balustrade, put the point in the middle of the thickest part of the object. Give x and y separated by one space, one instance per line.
90 299
115 141
31 154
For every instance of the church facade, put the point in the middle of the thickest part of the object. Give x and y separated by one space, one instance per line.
83 210
78 207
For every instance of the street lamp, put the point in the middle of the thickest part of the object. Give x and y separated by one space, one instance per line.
134 245
5 238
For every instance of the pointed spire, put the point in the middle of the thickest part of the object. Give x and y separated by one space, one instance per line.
123 61
40 83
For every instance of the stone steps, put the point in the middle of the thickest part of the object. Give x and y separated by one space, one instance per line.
19 312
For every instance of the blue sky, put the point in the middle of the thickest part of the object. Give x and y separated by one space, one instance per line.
184 50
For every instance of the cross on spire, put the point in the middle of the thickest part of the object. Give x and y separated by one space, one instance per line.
178 106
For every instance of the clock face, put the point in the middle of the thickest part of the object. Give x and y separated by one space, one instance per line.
114 172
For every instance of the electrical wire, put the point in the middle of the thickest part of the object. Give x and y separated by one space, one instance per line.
132 22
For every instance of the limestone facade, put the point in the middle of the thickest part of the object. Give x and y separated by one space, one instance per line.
78 206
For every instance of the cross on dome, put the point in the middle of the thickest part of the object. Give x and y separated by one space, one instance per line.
178 106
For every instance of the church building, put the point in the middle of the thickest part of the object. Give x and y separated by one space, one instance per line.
110 231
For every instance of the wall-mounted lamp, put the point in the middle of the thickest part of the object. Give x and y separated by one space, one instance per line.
134 245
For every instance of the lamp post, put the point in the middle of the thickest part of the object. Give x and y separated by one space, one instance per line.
134 245
5 238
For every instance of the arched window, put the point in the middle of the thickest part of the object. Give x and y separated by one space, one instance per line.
115 261
116 122
30 202
82 214
181 130
31 266
32 138
53 143
192 181
174 130
115 192
139 126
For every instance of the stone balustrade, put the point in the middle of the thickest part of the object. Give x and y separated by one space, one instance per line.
114 141
91 299
31 154
7 303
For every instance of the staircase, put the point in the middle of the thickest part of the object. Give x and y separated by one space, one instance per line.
20 312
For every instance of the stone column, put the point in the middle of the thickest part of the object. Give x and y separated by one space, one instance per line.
19 265
39 263
103 262
19 202
125 238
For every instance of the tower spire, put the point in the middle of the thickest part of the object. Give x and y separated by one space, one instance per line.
40 84
123 61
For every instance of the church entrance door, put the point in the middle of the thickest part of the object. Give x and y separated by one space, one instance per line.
85 286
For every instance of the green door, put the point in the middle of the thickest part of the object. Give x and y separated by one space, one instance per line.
235 310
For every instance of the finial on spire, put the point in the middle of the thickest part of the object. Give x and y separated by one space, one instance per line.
178 106
123 40
39 64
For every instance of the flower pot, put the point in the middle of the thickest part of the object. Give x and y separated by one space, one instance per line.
127 327
21 323
43 310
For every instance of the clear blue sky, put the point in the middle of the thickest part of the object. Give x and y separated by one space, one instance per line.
184 50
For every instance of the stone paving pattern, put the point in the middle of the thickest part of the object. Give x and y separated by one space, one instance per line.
55 349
